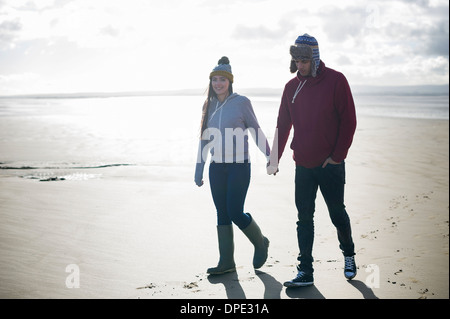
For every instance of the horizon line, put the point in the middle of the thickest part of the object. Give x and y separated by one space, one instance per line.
430 89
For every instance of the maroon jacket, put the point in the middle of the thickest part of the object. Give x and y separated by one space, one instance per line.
323 115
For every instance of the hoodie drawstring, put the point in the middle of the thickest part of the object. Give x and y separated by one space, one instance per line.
218 108
299 88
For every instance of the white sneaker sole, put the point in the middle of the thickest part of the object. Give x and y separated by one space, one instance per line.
291 284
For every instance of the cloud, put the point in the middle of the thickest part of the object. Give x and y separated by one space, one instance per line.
148 42
14 83
38 6
255 33
8 32
344 60
388 41
417 26
436 40
341 24
110 31
262 32
423 40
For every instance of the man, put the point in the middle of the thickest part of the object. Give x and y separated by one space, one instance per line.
319 105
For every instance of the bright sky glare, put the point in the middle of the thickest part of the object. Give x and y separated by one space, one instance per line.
63 46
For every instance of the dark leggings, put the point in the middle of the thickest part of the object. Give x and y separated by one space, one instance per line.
229 184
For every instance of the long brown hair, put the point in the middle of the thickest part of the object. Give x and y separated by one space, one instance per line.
205 109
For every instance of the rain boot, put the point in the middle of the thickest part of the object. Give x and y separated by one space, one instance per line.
226 250
261 243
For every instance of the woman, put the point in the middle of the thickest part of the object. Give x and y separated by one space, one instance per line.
226 119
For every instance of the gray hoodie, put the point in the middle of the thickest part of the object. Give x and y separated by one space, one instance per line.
228 126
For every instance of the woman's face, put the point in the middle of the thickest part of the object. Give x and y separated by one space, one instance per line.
220 85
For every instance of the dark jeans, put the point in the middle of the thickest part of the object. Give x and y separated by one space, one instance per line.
229 184
331 181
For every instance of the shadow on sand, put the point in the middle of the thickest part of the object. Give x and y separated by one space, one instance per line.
273 288
231 282
363 289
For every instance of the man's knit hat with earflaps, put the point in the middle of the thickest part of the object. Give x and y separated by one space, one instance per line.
306 48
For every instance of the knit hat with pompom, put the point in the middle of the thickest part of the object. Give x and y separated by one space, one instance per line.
223 68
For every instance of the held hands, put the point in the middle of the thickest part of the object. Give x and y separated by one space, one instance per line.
272 169
272 161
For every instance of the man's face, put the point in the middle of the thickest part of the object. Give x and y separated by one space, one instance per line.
304 67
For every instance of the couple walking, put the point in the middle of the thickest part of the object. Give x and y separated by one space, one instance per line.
319 105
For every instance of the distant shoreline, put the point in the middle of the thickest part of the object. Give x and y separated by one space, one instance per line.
357 90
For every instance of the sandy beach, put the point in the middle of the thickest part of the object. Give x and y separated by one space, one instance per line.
146 231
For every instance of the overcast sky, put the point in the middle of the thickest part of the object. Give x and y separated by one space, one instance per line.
53 46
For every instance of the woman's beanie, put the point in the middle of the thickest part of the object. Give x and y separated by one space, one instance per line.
306 48
223 68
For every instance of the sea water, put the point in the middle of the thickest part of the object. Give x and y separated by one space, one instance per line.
75 134
404 106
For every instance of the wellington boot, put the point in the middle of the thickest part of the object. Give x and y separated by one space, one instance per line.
226 250
261 243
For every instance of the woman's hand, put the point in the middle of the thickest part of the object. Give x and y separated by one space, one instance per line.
199 183
198 177
272 169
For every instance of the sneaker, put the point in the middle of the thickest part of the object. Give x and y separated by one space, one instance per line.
302 280
350 267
